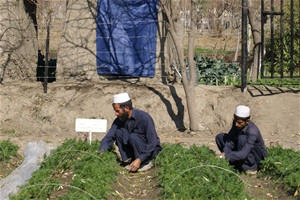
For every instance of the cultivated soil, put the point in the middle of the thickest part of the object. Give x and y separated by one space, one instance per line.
28 114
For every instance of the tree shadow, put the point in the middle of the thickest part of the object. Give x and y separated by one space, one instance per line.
177 118
4 68
17 41
30 8
255 91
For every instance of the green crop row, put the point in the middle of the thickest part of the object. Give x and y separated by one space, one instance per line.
283 166
279 82
7 150
73 171
195 173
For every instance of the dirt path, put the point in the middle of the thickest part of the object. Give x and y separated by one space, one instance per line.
263 188
141 185
145 185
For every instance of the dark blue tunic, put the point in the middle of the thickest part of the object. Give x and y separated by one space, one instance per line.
243 148
136 138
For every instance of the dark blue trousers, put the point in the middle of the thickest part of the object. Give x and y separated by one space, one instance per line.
131 145
252 160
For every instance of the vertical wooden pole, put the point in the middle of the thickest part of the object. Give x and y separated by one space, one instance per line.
244 44
292 40
45 83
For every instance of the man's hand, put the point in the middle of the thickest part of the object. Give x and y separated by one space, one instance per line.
135 165
222 155
101 153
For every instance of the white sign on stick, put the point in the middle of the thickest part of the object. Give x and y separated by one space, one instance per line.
90 125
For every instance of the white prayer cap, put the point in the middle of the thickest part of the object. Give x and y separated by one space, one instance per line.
242 111
121 98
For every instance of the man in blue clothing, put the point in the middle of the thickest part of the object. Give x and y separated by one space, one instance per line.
243 146
134 133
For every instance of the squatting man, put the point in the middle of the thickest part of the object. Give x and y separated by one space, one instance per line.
243 146
134 133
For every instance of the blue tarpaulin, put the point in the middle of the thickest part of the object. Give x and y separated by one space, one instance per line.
126 37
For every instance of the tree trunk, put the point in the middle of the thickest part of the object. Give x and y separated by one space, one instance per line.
188 76
254 6
191 84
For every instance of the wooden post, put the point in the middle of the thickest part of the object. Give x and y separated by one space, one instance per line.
244 44
47 54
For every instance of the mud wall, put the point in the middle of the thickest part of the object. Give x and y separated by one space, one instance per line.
55 11
18 43
76 61
72 41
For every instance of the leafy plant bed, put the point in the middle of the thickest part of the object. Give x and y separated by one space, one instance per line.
9 157
279 82
282 165
73 171
196 173
217 72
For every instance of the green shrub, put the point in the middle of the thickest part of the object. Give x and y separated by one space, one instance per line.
7 150
283 166
217 72
195 173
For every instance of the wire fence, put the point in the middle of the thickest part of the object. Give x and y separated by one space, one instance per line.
223 47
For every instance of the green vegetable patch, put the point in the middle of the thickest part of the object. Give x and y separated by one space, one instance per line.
76 171
196 173
7 150
73 171
282 165
9 157
217 72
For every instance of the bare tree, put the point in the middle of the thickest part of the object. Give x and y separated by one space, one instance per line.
176 29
